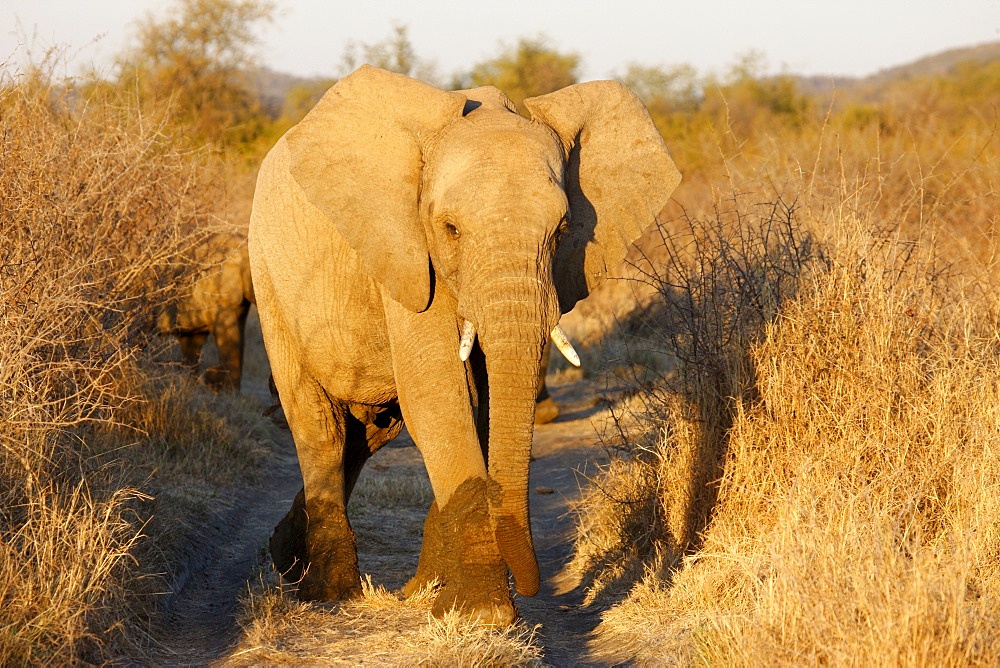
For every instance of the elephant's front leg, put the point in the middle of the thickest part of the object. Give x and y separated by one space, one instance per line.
460 546
319 427
368 429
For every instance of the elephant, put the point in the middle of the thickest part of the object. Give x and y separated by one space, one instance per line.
217 304
413 249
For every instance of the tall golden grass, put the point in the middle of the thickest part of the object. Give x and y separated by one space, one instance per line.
809 473
97 209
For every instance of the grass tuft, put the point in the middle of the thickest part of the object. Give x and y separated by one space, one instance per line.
379 626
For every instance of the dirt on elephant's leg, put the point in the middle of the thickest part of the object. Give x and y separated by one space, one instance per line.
328 574
433 553
288 542
475 576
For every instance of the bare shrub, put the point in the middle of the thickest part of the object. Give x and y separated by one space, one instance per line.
856 520
96 209
717 283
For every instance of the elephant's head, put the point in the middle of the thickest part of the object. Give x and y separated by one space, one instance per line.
518 219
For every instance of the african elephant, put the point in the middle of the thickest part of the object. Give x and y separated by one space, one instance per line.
412 250
217 304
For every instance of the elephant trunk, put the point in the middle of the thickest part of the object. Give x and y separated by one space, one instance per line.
513 331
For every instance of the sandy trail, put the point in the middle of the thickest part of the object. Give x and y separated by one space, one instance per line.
562 451
198 625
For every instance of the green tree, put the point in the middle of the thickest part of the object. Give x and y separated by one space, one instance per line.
673 97
301 98
531 67
666 89
196 63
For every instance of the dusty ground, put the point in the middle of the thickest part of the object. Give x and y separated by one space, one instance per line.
198 624
564 450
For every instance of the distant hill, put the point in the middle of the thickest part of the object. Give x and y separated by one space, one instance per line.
937 64
273 87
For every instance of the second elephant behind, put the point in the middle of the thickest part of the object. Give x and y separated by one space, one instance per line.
216 305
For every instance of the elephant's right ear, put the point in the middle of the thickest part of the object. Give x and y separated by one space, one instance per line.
619 175
357 157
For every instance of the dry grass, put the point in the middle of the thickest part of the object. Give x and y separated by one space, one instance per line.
857 518
715 286
806 467
812 477
97 210
377 629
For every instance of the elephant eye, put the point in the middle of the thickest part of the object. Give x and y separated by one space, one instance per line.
451 230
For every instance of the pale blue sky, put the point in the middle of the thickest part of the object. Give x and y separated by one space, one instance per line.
843 37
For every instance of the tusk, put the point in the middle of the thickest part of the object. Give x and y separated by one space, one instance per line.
564 346
468 338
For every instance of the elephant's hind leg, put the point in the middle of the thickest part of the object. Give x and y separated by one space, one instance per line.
368 429
191 344
288 541
227 330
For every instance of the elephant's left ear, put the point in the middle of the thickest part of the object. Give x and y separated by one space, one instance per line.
618 177
357 156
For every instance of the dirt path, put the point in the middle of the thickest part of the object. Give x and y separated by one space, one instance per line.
198 627
196 624
562 450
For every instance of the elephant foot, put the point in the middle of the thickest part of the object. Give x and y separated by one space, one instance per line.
333 576
478 591
288 542
327 588
323 574
546 411
463 555
220 379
